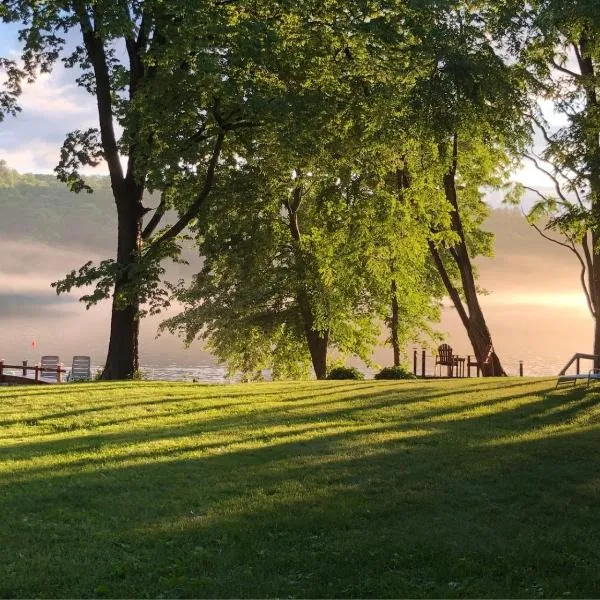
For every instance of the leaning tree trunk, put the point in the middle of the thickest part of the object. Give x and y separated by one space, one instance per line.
471 316
473 322
394 324
122 361
476 326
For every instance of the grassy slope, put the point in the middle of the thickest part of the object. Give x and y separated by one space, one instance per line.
464 488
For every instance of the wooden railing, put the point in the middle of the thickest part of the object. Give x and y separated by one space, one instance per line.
38 370
576 358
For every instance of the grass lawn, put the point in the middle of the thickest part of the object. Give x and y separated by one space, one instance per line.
320 489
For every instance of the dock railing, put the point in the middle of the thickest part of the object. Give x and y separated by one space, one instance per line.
37 369
576 358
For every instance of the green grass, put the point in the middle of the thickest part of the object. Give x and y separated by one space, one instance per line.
323 489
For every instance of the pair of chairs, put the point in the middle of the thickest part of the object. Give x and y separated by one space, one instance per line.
456 364
81 369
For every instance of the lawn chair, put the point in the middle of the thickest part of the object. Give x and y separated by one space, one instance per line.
49 367
81 369
445 358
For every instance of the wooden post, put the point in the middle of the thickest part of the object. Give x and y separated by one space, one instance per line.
521 368
423 363
1 370
577 365
24 368
37 372
415 361
58 373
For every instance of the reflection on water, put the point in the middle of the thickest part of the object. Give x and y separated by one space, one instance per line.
206 373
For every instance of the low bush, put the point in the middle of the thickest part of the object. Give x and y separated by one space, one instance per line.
394 373
345 373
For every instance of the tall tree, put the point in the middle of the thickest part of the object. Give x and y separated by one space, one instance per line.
162 73
299 265
322 256
468 113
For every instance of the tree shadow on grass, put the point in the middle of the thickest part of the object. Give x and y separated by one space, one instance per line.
359 408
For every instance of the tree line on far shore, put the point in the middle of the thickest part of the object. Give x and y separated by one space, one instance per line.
328 160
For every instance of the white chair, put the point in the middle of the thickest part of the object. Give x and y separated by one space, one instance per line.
49 366
81 369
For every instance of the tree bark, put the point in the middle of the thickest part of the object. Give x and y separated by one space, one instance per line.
122 361
394 323
317 346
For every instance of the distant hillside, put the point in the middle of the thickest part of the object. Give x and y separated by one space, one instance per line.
38 208
41 209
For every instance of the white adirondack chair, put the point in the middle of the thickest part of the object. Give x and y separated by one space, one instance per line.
81 369
49 367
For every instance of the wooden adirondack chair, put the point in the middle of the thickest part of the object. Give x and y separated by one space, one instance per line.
445 358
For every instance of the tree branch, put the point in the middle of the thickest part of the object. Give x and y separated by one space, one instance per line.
454 154
564 70
156 218
571 247
536 161
537 192
297 197
192 212
97 57
585 243
551 143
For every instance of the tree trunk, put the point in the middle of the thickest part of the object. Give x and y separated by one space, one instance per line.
597 342
394 322
481 341
317 346
589 75
594 288
122 361
317 341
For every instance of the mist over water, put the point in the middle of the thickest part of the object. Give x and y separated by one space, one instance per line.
535 310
